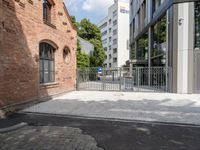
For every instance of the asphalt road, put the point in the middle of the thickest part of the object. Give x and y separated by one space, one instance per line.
114 135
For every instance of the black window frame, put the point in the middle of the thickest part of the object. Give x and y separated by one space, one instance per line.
47 57
47 5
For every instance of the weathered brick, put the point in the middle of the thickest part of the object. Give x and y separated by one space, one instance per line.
21 30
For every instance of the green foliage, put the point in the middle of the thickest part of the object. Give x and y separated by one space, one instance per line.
160 31
88 30
83 60
91 33
143 47
98 57
76 24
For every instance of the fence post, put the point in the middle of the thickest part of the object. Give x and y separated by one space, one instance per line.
103 80
77 79
138 78
167 72
120 79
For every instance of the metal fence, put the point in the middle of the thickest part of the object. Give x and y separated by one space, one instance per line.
139 79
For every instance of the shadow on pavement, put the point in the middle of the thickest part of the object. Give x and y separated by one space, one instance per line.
114 135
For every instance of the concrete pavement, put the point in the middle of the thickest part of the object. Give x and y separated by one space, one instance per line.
155 107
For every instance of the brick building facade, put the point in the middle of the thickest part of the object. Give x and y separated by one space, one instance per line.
37 50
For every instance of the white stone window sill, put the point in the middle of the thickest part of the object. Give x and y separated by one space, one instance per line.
49 84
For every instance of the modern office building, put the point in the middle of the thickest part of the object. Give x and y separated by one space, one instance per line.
166 33
115 34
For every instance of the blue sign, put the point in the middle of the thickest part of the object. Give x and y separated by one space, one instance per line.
100 70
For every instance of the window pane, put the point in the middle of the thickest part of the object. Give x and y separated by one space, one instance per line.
41 65
51 65
46 53
46 65
52 76
41 77
46 77
197 25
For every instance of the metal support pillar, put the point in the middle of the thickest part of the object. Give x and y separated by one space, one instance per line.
167 50
150 48
120 80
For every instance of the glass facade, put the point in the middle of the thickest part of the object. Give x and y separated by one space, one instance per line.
142 48
158 55
197 25
133 52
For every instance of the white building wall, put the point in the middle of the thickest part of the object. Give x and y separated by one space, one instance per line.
185 48
122 35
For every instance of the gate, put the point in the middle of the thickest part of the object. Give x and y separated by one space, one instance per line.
137 79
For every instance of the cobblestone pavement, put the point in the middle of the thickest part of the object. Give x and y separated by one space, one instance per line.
47 138
153 107
63 133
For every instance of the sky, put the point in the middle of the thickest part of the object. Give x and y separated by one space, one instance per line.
94 10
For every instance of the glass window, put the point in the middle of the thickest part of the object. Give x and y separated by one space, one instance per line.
110 21
115 32
114 41
114 22
47 10
133 52
114 60
114 13
104 41
110 56
142 47
47 72
115 50
104 33
103 26
197 25
158 55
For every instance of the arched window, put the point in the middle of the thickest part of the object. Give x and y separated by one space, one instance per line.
47 71
66 55
47 10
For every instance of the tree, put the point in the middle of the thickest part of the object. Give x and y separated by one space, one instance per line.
88 30
91 33
75 23
98 57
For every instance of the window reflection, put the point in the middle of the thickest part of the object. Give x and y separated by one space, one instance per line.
158 54
197 25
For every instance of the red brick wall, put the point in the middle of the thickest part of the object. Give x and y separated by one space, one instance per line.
22 29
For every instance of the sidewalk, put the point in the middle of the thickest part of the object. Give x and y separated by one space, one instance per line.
155 107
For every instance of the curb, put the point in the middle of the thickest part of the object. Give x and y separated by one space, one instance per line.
114 119
15 127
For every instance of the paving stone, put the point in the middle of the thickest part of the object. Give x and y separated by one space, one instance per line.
47 138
